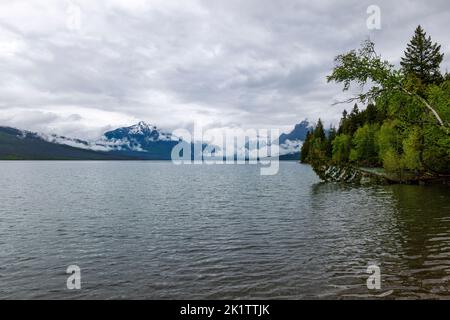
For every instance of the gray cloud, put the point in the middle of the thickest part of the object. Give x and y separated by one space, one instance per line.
252 63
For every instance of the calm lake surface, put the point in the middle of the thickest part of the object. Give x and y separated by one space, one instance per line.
154 230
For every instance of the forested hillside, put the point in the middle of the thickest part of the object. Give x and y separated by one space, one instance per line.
403 126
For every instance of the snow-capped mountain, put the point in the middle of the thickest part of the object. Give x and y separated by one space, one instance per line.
18 144
139 141
143 141
140 137
298 134
291 143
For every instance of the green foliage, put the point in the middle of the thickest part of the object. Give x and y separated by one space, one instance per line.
436 140
304 152
392 162
315 147
365 151
341 148
412 146
329 142
317 151
422 58
405 125
366 69
364 66
318 145
356 119
436 151
319 131
388 138
439 97
371 114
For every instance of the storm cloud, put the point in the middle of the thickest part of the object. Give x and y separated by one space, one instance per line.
81 67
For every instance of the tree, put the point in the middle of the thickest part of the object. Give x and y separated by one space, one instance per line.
353 120
412 147
365 147
406 123
343 122
447 76
329 142
371 113
304 153
364 67
388 138
341 148
319 132
314 149
422 58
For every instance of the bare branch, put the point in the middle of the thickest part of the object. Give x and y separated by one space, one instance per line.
425 102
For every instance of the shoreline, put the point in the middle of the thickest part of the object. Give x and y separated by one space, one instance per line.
361 175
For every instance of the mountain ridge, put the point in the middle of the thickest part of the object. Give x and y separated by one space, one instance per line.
140 141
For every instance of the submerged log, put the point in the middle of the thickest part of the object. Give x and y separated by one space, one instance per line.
358 175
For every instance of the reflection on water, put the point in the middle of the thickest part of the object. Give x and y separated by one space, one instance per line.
403 229
423 215
154 230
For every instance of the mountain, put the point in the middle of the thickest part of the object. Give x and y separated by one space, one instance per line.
141 141
141 133
291 143
298 134
24 145
138 142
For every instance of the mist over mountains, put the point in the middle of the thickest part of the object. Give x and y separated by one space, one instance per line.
141 141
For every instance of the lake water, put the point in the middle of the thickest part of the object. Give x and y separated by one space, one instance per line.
154 230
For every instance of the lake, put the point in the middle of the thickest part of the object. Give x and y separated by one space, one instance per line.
153 230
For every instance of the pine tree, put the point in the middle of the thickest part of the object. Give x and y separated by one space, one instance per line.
422 58
329 143
343 123
353 121
371 113
319 132
447 76
305 148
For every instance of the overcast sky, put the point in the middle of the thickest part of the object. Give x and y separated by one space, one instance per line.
81 67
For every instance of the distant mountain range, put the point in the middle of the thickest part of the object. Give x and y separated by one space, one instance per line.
138 142
22 145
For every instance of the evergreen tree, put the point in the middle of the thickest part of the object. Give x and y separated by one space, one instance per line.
406 124
353 121
329 143
343 123
422 58
314 148
371 113
319 132
447 76
305 148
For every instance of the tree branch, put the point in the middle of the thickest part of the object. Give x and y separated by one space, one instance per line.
425 102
